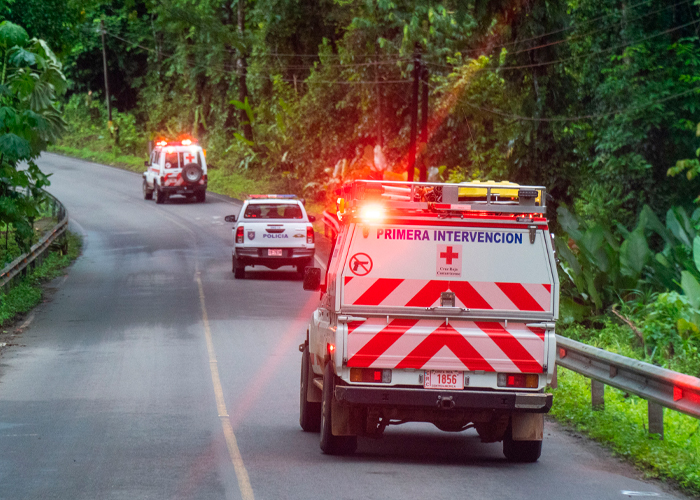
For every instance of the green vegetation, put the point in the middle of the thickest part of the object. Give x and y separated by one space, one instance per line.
594 99
621 427
127 162
27 294
30 81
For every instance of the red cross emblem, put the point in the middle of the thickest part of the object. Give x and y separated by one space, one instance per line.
189 157
448 255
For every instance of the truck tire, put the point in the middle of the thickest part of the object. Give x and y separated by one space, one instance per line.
147 193
330 444
160 196
192 173
200 196
309 413
521 451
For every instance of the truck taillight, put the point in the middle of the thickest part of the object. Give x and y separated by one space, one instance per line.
528 380
239 234
309 234
370 375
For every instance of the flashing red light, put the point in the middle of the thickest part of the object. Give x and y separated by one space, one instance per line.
239 234
330 348
186 142
309 234
162 143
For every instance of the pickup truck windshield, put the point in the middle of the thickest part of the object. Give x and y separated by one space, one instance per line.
273 211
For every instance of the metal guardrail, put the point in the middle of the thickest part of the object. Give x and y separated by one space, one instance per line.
659 386
18 267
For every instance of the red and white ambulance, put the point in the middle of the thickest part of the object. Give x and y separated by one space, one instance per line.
175 167
438 305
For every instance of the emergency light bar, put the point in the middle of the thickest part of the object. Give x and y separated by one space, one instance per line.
442 198
184 142
273 196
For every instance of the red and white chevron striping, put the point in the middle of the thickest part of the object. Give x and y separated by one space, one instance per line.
434 344
426 293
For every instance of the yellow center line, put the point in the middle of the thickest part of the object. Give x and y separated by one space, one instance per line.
231 443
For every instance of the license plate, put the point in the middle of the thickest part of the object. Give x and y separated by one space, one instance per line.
441 379
274 252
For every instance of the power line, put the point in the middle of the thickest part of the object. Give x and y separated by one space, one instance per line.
589 33
587 55
597 53
498 112
224 70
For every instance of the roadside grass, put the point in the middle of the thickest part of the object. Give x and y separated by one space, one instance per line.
24 296
127 162
234 183
621 427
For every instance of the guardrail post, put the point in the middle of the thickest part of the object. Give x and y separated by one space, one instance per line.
597 394
656 419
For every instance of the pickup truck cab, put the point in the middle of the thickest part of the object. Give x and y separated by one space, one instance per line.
272 230
175 168
438 306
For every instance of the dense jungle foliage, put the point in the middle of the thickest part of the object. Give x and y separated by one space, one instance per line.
595 99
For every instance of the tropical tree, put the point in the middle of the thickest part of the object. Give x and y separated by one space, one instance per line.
30 81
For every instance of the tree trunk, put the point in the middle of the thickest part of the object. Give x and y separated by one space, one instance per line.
242 65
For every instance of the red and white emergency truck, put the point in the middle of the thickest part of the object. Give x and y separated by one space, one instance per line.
175 167
438 305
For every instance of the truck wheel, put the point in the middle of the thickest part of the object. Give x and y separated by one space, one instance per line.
200 196
160 196
330 444
520 451
309 413
147 193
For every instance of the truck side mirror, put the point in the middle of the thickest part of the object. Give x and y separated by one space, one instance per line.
312 279
230 218
312 218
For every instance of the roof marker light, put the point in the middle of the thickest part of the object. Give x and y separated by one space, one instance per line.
186 142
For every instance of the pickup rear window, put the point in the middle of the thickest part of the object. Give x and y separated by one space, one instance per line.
273 211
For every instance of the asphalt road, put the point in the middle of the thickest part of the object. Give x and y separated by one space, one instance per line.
152 373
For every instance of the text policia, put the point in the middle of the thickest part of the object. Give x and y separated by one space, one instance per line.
451 236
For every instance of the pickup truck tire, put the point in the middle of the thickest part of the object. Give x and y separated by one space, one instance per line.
330 444
309 413
160 196
521 451
147 193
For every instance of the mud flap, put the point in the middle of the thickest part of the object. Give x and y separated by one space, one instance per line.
313 393
527 426
347 420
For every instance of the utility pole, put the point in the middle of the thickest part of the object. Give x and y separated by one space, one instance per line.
414 114
242 64
424 126
104 65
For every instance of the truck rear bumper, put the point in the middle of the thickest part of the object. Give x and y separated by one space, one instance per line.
424 398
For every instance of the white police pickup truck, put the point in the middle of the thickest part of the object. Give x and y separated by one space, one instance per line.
175 168
272 230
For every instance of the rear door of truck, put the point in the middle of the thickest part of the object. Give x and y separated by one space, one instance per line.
448 296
